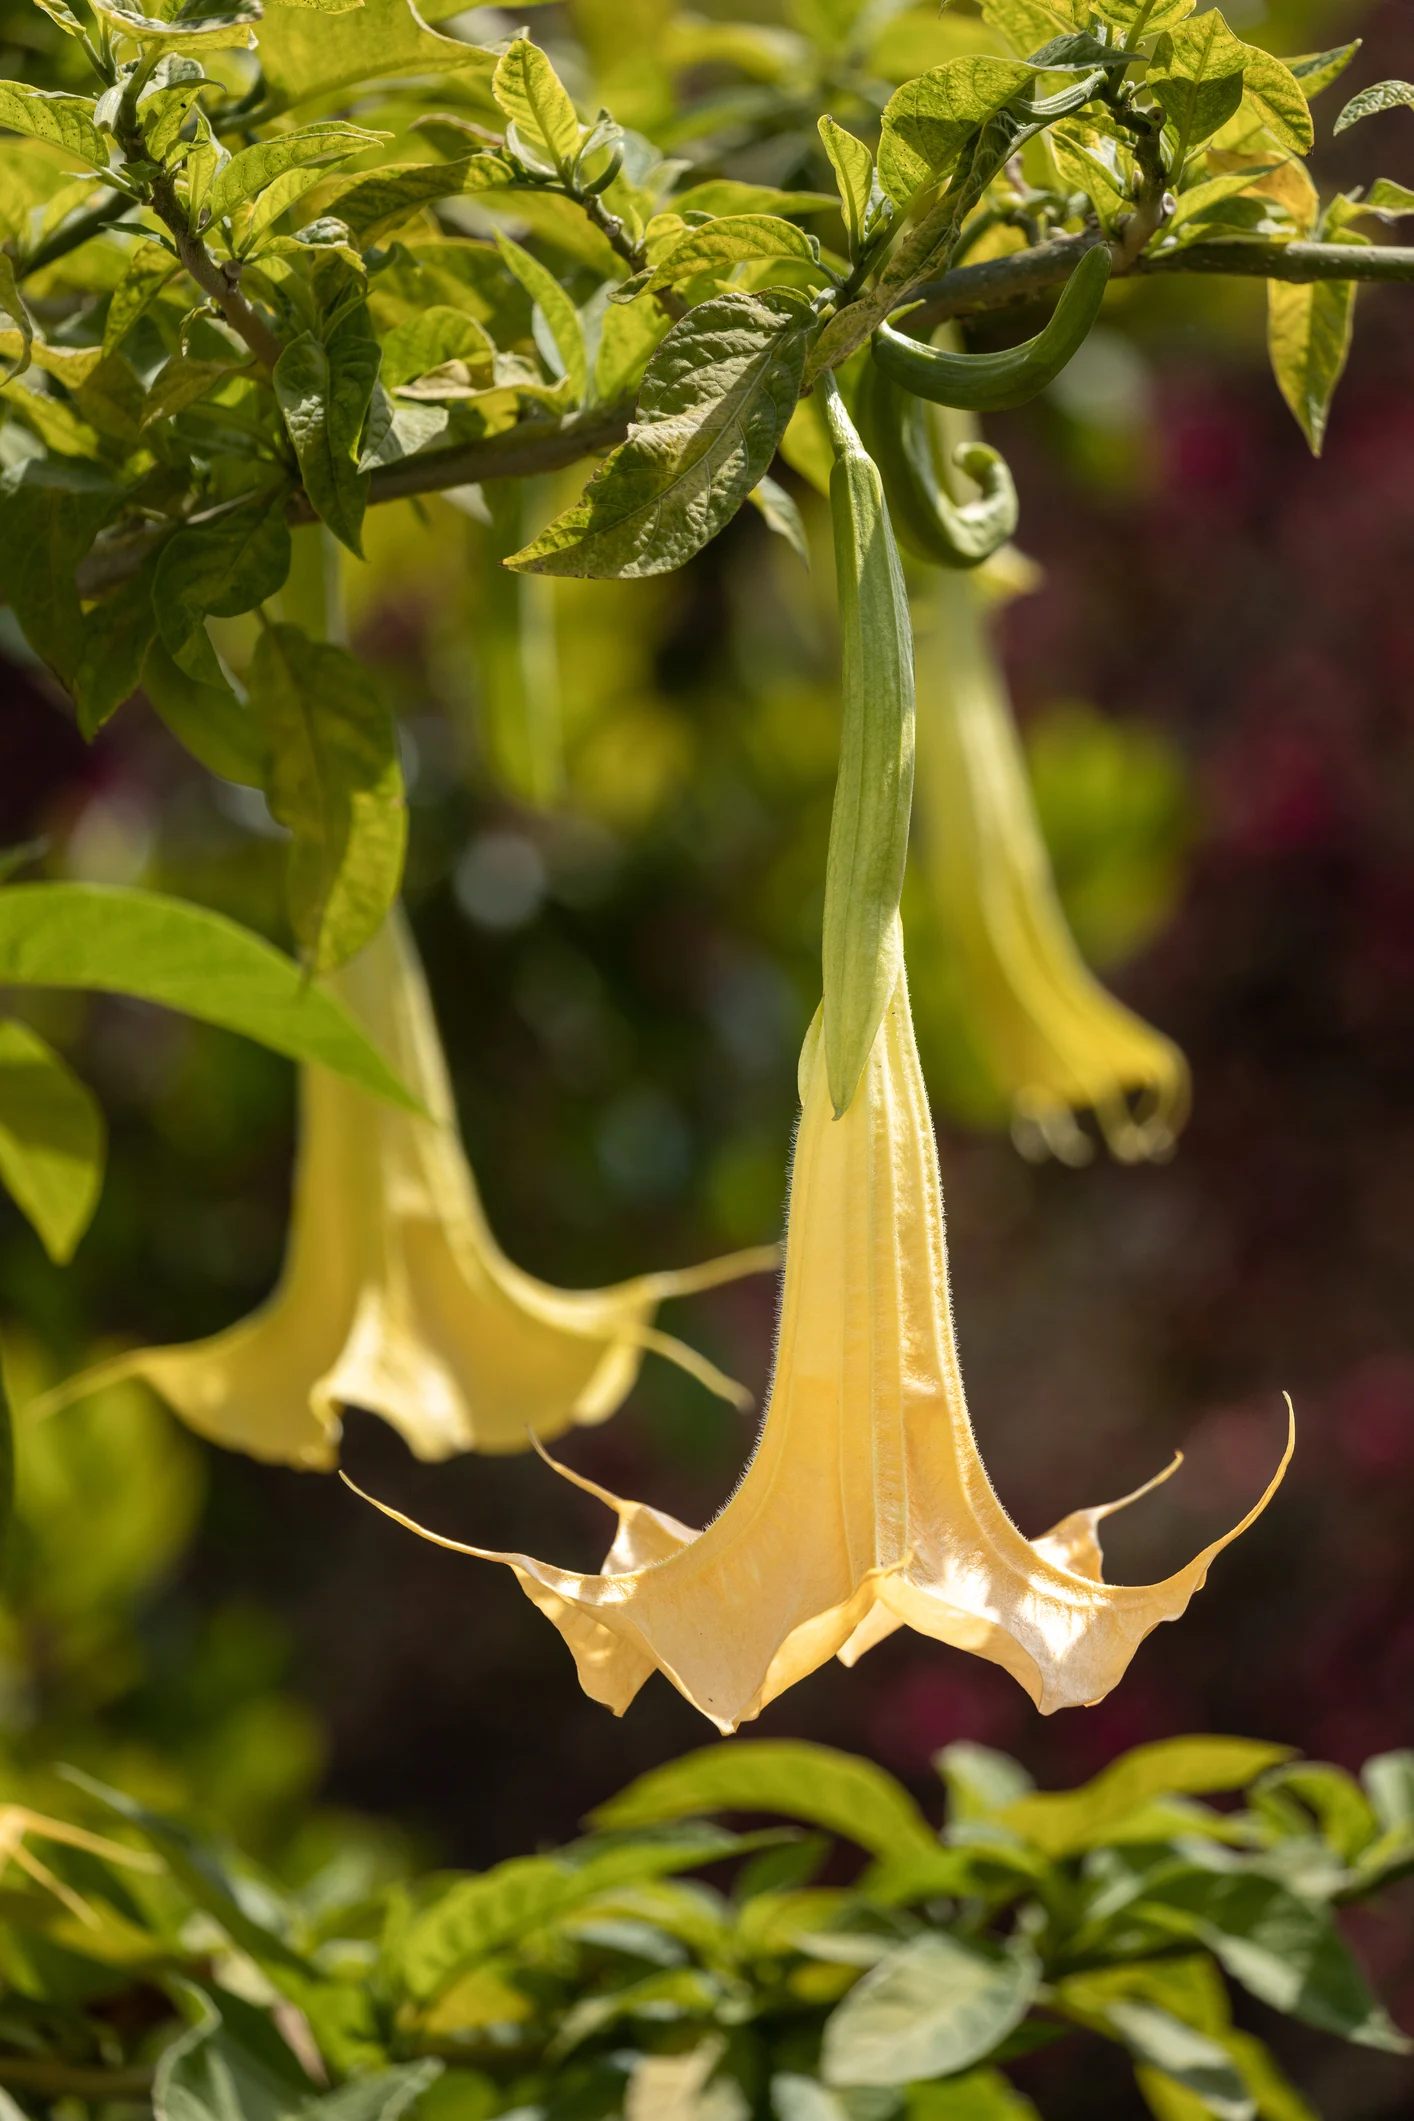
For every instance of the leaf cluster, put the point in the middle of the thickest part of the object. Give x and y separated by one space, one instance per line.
583 1981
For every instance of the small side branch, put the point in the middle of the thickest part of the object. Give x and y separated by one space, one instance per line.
222 287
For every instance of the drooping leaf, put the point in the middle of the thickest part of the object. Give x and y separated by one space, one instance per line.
51 1139
714 402
778 511
160 949
207 720
802 1781
929 2009
560 315
116 636
249 172
50 510
1309 331
537 104
927 122
335 782
148 270
1194 2060
1381 95
1062 1822
218 569
62 121
324 393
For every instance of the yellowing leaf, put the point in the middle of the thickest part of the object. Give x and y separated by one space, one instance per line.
1064 1821
228 30
537 104
307 53
253 168
927 121
395 1295
51 1139
866 1505
335 782
1309 330
62 121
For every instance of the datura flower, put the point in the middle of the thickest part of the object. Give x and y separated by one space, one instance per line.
1054 1040
395 1295
866 1504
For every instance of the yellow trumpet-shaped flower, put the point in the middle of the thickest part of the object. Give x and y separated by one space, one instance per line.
866 1503
395 1295
1053 1039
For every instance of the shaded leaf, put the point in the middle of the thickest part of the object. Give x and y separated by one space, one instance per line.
1200 2064
50 512
560 315
148 270
116 636
51 1139
233 2062
161 949
779 512
398 431
927 122
715 398
324 392
218 569
12 305
978 2095
335 782
721 244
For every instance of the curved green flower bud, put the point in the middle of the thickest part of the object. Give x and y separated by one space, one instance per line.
994 382
926 519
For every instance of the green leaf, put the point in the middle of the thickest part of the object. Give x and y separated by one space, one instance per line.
779 512
980 1781
477 1916
116 637
1274 96
721 244
276 199
978 2095
160 949
148 270
929 2009
12 305
853 165
324 394
335 782
1276 2098
728 195
376 202
398 431
715 399
233 2062
1285 1949
63 16
1317 70
1345 1820
534 99
1124 14
1062 1822
61 120
50 511
308 54
218 569
181 382
560 315
1196 79
230 30
1389 1782
1308 338
803 2099
1028 24
1388 200
790 1776
163 112
1381 95
250 171
927 122
437 335
51 1140
1192 2059
207 720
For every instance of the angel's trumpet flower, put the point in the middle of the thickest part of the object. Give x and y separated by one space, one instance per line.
395 1295
866 1504
1054 1040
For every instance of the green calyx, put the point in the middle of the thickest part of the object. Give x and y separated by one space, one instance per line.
995 382
863 950
934 527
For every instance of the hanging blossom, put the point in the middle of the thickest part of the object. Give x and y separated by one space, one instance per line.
1055 1041
866 1504
395 1295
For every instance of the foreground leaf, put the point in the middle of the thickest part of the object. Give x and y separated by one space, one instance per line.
121 941
935 2006
1309 331
50 511
714 402
218 569
51 1139
335 782
324 392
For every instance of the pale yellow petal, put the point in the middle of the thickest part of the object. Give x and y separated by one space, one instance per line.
865 1502
1054 1039
395 1295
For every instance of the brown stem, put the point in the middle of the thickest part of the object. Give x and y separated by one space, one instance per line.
223 287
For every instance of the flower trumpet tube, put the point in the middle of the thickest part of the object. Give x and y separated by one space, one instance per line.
866 1504
395 1295
1054 1040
